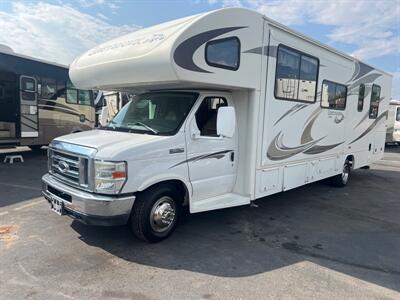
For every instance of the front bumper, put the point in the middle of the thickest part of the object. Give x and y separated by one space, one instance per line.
89 208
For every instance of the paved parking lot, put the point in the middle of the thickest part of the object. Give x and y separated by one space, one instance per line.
312 242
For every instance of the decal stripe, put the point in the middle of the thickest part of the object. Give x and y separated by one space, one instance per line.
62 110
217 155
362 120
372 126
319 149
292 111
183 54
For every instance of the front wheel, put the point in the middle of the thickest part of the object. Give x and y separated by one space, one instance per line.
342 179
155 213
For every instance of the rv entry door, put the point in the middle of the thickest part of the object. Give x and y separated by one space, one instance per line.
29 107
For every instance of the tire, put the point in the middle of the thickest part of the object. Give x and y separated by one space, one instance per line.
155 213
342 179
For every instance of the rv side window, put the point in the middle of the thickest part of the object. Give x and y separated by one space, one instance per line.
60 89
361 95
84 97
296 75
224 53
48 88
398 114
72 96
206 115
374 105
333 95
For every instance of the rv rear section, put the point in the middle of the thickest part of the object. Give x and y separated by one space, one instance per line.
393 122
39 102
229 107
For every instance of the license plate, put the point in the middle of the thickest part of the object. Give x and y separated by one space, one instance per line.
57 206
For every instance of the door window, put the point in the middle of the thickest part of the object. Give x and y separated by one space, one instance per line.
398 114
28 88
374 105
206 115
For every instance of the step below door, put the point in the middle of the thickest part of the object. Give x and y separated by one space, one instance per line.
29 108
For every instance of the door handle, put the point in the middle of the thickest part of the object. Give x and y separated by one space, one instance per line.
232 156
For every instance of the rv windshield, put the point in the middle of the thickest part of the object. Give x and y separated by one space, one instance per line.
154 113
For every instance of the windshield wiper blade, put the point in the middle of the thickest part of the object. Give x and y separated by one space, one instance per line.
145 126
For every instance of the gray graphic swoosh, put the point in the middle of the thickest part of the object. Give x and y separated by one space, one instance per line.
292 111
217 155
278 151
319 149
372 126
183 54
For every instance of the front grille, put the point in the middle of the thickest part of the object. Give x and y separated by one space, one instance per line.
69 168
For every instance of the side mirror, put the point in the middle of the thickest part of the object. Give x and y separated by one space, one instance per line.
103 116
226 121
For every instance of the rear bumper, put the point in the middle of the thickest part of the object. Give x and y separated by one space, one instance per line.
88 208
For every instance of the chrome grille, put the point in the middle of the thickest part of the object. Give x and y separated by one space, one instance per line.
68 167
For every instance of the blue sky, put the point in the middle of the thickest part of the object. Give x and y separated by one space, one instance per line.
61 30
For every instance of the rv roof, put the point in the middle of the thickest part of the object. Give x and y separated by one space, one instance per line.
394 102
33 58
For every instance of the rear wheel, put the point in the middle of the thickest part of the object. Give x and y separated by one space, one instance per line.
342 179
155 213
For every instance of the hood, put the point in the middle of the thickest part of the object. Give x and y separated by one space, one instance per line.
111 141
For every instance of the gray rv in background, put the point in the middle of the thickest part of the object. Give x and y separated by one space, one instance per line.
39 102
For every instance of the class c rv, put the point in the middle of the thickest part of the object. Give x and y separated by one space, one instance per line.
39 102
393 122
230 106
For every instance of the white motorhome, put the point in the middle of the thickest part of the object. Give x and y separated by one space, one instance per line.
231 106
393 122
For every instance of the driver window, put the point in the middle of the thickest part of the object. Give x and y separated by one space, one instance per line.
206 115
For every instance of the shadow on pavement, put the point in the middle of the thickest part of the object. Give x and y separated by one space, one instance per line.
22 181
352 230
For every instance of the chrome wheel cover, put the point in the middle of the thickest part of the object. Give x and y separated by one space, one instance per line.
345 173
163 214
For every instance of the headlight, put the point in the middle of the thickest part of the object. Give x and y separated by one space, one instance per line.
109 176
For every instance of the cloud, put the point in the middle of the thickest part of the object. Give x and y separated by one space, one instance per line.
371 26
54 32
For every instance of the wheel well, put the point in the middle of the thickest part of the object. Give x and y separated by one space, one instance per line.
350 158
179 185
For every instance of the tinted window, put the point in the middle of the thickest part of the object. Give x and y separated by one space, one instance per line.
374 105
398 114
84 97
60 89
333 95
296 75
206 115
48 88
224 53
72 96
361 95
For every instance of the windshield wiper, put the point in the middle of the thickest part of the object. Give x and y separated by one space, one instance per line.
145 126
